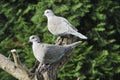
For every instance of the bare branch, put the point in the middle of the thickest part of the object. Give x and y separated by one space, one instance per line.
78 78
10 67
16 58
19 64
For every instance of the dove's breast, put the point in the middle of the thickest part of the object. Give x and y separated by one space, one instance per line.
38 52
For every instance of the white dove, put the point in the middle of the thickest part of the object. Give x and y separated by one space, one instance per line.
49 53
60 26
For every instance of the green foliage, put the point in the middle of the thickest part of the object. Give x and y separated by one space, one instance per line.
98 58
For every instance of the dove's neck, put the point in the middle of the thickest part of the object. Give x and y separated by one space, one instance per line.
35 47
35 44
37 51
51 16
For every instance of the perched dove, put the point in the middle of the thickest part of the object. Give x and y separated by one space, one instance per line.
60 26
49 53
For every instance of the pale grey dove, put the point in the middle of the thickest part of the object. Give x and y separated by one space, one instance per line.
60 26
49 53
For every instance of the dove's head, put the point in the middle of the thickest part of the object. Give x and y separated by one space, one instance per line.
34 38
48 13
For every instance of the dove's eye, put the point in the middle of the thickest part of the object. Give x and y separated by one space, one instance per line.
47 12
33 37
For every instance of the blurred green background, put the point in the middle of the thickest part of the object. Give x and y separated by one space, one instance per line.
98 58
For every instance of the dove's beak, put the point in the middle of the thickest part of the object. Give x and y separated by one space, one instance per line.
29 42
44 14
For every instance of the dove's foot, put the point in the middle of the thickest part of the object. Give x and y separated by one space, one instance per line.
45 67
59 41
38 69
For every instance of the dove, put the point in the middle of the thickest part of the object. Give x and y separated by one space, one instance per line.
49 53
60 26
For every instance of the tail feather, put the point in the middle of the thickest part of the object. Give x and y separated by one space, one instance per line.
79 35
73 45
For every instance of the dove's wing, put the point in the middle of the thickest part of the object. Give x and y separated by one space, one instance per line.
70 29
66 22
53 53
65 26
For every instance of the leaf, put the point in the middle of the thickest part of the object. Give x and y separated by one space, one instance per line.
77 6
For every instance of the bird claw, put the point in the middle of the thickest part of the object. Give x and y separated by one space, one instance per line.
59 41
45 67
37 70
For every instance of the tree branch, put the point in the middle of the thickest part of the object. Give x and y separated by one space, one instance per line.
19 64
10 67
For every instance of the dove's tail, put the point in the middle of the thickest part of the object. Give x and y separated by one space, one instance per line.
73 45
79 35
